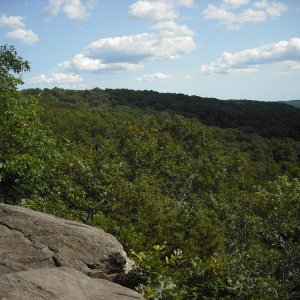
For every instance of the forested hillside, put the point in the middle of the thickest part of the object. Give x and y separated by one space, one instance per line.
295 103
269 119
203 194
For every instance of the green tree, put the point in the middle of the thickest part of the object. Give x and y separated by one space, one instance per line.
24 146
10 66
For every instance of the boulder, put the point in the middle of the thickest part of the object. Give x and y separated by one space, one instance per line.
45 257
60 283
34 240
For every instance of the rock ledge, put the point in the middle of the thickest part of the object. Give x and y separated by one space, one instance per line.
40 253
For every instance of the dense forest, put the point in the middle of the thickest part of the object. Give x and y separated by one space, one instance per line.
295 103
269 119
203 194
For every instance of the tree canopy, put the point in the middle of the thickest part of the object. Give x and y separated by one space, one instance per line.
207 212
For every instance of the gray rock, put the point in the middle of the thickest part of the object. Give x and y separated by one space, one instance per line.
33 240
60 283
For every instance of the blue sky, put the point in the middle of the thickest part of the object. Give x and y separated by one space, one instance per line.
228 49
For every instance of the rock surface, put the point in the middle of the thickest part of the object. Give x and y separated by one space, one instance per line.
60 283
45 257
31 239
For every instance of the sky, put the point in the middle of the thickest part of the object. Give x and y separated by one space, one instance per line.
227 49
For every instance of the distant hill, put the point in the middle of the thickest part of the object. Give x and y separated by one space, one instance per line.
295 103
269 119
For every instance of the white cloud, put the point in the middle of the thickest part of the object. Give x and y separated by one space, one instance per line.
74 9
20 32
223 16
81 63
12 21
171 28
155 76
185 3
53 8
166 44
157 10
227 14
249 59
57 78
251 15
234 3
273 9
126 53
26 36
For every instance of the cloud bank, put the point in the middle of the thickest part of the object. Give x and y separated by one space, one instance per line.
248 60
233 14
167 40
127 53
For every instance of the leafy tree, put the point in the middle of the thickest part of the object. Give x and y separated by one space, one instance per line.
10 65
26 151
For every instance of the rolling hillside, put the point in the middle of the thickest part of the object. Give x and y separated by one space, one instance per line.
269 119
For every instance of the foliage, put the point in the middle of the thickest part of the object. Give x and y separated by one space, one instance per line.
269 119
10 65
160 276
125 162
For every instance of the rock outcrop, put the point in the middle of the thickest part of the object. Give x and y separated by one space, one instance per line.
36 248
60 283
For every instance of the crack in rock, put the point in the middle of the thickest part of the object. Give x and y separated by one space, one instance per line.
19 230
55 258
54 242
